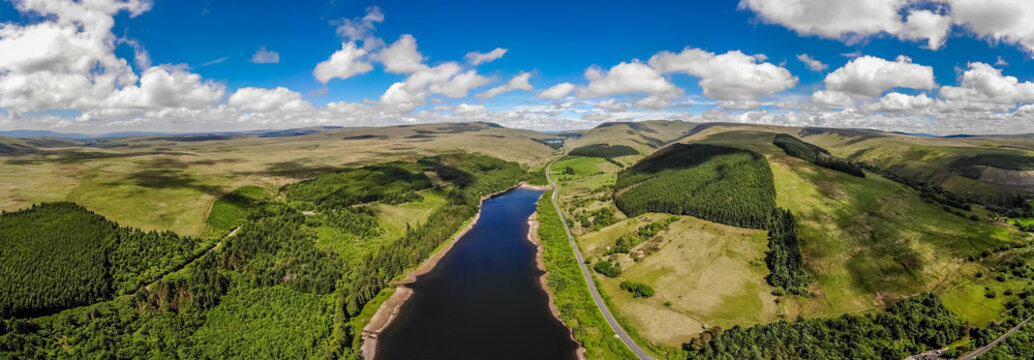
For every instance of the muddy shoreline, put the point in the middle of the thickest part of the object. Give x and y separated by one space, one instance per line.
390 309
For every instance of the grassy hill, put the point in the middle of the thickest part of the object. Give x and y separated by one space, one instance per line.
170 182
300 279
721 184
868 242
644 136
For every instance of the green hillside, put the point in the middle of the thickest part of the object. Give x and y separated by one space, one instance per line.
721 184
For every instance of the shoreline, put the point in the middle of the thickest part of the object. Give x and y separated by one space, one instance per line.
391 307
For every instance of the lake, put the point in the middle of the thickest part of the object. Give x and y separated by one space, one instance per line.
483 299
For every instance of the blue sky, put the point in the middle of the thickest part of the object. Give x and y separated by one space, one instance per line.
201 52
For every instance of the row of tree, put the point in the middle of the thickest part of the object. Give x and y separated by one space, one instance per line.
909 327
784 260
816 155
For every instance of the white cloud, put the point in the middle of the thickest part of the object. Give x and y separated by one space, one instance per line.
984 88
140 55
851 20
869 76
735 79
467 110
264 56
361 29
898 102
557 92
519 82
633 77
1010 21
167 87
832 99
811 63
67 61
215 61
402 56
447 79
611 105
267 100
1001 62
342 64
476 58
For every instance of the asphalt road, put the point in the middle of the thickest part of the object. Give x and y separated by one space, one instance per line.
620 331
980 351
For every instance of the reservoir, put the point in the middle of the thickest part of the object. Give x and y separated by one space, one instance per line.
483 299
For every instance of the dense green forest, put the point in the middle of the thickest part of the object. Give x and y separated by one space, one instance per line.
390 183
604 151
716 183
908 327
59 255
784 258
268 292
816 155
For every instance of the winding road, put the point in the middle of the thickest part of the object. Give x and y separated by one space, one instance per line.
620 331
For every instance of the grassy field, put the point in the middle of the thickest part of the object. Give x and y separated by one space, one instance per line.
170 183
704 274
868 242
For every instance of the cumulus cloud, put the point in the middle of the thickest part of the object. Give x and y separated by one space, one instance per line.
266 100
631 77
984 88
869 76
167 86
557 92
343 64
832 99
898 102
67 61
851 20
402 56
611 105
1010 21
811 63
477 58
519 82
447 79
264 56
735 79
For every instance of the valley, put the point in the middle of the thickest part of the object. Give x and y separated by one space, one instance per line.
705 241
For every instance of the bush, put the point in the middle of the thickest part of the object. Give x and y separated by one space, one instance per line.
638 290
608 269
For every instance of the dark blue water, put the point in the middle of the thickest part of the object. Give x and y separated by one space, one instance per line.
483 299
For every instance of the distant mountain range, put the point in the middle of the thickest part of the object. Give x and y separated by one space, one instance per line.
126 134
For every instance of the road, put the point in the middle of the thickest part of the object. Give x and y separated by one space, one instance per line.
620 331
980 351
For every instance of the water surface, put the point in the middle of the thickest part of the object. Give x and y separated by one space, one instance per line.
483 299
